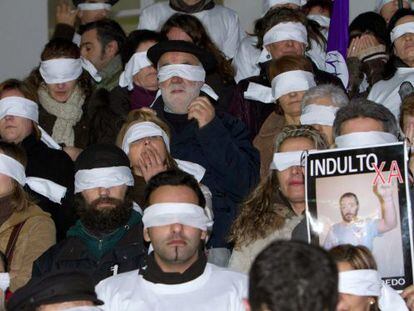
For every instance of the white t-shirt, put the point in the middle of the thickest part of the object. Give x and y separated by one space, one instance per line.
217 289
385 92
221 23
360 232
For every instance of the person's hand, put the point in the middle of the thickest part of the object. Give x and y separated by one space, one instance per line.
201 110
408 296
354 47
65 14
384 190
150 163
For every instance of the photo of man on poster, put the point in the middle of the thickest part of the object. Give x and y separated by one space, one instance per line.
359 231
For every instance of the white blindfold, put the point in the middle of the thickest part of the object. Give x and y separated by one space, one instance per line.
368 283
292 81
60 70
94 6
163 214
401 30
15 170
281 32
137 62
318 114
105 177
141 130
283 160
361 139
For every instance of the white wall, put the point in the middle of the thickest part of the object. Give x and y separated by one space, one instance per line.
249 10
23 33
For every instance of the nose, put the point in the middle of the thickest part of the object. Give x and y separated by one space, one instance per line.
147 141
103 192
9 118
289 43
296 170
60 86
176 79
176 228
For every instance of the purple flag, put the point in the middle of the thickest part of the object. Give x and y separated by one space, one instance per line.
338 41
338 30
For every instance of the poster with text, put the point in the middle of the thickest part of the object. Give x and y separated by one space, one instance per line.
362 197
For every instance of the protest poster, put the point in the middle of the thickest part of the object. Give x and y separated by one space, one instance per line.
361 197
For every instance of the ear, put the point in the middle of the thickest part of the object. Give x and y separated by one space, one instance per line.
146 235
111 49
246 304
203 235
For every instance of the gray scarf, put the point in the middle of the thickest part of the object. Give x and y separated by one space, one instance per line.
181 6
67 114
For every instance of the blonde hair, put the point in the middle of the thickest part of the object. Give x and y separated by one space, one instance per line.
258 217
145 115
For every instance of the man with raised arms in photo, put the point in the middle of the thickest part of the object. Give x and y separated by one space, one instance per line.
357 231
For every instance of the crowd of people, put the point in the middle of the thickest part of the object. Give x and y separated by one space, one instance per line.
162 170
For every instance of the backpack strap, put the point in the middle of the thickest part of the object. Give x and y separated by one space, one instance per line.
11 244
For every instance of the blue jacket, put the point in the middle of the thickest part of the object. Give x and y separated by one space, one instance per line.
232 164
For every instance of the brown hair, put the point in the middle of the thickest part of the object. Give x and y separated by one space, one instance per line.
60 48
145 115
258 217
285 64
407 108
19 198
196 31
27 92
359 257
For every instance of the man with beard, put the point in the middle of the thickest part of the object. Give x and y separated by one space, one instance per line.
356 231
107 239
203 134
177 275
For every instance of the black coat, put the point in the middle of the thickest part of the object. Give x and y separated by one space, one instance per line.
54 165
223 148
73 254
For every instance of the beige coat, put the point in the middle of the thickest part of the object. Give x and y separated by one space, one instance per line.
36 236
265 140
242 259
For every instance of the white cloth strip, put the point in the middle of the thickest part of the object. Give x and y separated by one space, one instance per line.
401 30
163 214
191 168
284 160
137 62
60 70
12 168
292 81
48 140
209 91
91 69
380 4
283 31
19 107
318 114
322 20
94 6
105 177
268 4
49 189
361 139
260 93
141 130
189 72
368 283
4 281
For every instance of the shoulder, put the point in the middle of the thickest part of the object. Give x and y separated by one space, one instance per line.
228 275
220 9
118 281
156 7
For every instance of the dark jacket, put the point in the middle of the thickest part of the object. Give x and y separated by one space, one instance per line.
54 165
223 148
84 252
253 113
